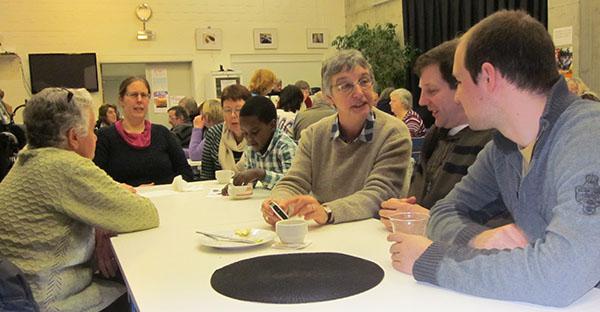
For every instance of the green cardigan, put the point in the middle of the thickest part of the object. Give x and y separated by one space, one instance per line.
51 201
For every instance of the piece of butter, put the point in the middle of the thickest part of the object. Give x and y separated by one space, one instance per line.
242 232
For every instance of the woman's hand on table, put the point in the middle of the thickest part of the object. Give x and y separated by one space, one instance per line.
305 206
302 205
268 214
395 205
128 187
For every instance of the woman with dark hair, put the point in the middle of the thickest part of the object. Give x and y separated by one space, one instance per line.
305 88
135 151
107 116
225 143
290 100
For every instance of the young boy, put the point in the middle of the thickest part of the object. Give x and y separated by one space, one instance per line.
269 153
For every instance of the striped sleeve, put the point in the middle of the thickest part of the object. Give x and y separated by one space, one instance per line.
415 124
210 155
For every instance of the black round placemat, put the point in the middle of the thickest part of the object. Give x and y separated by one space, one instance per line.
296 278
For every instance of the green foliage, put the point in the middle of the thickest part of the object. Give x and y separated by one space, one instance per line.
382 48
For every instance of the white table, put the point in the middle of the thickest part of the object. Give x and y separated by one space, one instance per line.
167 269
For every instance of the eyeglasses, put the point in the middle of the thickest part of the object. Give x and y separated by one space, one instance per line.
348 87
232 111
136 95
69 94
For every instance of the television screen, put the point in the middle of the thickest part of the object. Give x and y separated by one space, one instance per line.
63 70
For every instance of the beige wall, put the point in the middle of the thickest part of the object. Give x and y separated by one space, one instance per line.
589 44
109 27
564 13
583 16
374 12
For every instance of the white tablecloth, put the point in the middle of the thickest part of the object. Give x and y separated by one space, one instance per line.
167 269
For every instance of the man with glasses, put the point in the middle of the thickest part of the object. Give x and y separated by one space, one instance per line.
181 128
348 162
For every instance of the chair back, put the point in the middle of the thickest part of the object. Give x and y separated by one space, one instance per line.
15 294
417 145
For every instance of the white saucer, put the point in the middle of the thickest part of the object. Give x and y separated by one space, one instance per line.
279 245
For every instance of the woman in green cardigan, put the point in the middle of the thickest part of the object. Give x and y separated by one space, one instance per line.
53 199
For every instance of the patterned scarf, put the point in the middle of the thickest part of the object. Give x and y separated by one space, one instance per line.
226 148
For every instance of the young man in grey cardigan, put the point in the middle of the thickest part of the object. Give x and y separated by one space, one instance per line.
543 165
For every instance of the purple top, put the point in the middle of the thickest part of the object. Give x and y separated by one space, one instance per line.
196 144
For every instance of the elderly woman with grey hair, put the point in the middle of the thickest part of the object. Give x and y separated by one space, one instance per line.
55 196
401 103
348 163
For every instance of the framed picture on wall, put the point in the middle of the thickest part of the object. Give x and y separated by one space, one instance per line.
265 38
317 38
209 39
223 82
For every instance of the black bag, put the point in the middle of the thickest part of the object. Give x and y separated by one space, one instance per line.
15 294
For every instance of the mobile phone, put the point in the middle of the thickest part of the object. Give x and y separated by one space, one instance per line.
278 211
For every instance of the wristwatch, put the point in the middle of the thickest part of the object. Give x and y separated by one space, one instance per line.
329 214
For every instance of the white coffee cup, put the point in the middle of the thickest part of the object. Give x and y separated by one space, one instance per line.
291 231
224 176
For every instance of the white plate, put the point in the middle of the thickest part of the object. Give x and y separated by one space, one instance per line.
261 236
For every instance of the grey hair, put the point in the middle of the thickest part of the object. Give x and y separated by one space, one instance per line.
404 96
341 61
302 84
190 105
48 116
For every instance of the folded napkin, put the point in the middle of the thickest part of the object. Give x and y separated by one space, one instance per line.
180 185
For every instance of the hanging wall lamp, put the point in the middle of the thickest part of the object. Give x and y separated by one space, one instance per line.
144 13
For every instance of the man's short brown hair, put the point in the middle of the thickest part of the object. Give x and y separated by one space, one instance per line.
517 45
443 56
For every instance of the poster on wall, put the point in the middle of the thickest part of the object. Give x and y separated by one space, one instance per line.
562 36
174 100
564 60
160 83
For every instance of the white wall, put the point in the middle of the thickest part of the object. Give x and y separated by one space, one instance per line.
109 28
